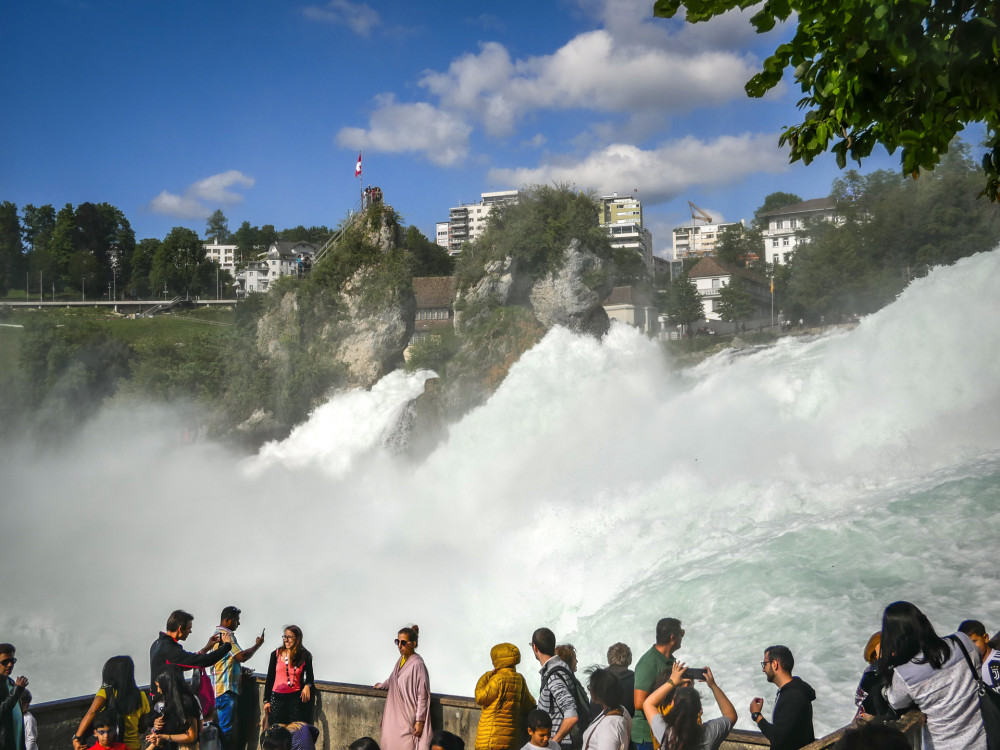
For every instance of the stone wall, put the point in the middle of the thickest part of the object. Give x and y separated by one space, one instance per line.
345 712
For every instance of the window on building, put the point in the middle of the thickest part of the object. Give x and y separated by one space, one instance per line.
774 243
784 241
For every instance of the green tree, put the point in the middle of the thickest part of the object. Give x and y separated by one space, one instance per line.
217 227
63 246
140 269
735 303
428 258
247 240
179 264
11 249
741 247
682 304
908 75
37 225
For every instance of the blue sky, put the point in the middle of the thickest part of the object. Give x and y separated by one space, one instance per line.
170 110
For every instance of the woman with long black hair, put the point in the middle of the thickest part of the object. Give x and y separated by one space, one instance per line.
681 727
120 694
178 723
931 673
288 688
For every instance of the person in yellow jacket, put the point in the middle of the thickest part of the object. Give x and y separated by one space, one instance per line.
505 701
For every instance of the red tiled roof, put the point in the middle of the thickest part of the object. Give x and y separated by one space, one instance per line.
712 266
434 292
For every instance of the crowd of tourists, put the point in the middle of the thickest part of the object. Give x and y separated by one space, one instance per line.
954 681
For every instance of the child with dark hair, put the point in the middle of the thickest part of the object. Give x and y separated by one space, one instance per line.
873 737
442 740
364 743
276 737
539 725
105 726
30 724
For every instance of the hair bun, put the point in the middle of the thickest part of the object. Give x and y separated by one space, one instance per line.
416 629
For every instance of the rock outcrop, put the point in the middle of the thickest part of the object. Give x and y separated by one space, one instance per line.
567 298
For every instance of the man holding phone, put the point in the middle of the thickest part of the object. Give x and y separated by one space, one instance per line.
226 676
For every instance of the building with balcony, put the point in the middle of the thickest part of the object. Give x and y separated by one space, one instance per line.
622 220
699 241
224 255
787 227
467 222
711 275
283 258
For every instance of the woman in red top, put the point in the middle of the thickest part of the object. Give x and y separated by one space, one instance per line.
288 689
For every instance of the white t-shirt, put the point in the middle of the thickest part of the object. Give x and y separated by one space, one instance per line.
551 746
609 732
714 731
991 670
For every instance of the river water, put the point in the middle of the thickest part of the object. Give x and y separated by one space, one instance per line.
780 495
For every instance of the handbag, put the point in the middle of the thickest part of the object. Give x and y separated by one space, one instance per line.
989 703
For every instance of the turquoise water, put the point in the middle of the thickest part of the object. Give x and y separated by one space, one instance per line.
783 495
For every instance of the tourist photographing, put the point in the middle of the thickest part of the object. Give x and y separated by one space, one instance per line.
505 701
659 658
167 650
288 687
791 725
555 696
931 673
406 719
226 674
611 729
119 694
673 711
11 718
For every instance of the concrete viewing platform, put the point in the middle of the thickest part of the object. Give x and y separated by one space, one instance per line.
344 712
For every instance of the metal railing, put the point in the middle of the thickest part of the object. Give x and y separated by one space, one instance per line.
331 243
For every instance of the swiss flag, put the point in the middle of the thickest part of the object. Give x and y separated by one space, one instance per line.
357 169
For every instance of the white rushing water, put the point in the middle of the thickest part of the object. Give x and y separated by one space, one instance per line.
784 495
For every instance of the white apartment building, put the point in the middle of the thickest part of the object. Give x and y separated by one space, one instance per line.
468 221
281 259
441 234
786 226
622 219
699 241
224 255
710 276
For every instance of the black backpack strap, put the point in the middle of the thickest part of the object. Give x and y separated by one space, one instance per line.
968 660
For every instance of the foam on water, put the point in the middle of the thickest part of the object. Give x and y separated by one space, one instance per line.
781 495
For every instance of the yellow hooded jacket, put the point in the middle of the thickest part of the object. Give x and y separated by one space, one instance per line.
505 700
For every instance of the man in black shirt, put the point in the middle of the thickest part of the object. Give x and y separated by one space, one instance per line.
792 725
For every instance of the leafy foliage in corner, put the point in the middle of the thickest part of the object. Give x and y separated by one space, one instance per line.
681 302
735 302
535 231
908 75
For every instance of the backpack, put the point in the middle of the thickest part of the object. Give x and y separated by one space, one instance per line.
580 698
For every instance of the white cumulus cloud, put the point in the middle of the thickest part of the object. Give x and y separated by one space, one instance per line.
593 71
358 17
660 174
202 197
441 136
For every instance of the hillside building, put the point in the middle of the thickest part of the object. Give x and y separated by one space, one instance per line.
622 219
283 258
468 221
711 275
698 241
626 304
224 255
786 227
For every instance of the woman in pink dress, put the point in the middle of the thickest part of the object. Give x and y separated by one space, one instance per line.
406 721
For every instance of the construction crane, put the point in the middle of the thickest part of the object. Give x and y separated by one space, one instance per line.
696 215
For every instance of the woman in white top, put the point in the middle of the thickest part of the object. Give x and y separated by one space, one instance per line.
682 726
931 672
612 728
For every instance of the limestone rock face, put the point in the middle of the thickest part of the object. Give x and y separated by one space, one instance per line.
565 299
503 284
374 332
277 327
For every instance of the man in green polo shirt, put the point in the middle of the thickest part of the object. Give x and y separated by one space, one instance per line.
669 634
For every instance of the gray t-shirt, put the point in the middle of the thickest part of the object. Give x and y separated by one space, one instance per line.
948 697
714 731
